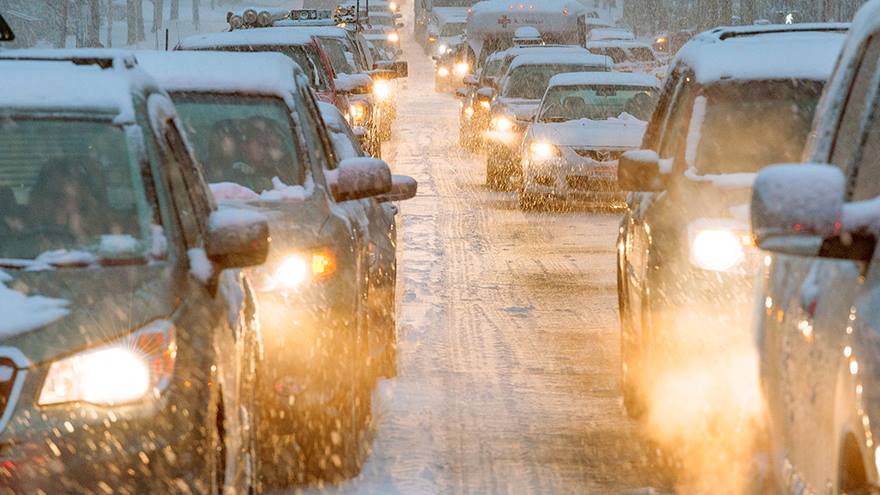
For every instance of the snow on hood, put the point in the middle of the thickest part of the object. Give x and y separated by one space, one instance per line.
623 132
235 217
230 191
348 82
23 313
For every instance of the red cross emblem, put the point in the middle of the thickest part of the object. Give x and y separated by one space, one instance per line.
504 21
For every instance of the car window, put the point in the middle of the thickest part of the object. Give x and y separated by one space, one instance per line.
597 102
677 119
661 111
846 141
342 59
247 140
181 190
74 185
867 170
529 82
307 112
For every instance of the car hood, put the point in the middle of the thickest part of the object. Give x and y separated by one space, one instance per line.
523 110
102 304
612 133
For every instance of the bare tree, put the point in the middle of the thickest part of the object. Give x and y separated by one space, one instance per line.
109 23
158 10
140 21
131 16
175 10
63 19
93 32
195 4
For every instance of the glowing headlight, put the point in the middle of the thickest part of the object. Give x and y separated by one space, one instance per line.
717 249
485 105
441 50
358 111
502 124
392 6
541 151
114 374
393 37
461 69
292 272
468 111
382 89
443 72
296 270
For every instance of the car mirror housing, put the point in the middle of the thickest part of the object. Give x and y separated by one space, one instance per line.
237 238
462 93
486 94
795 206
358 178
403 187
639 170
471 80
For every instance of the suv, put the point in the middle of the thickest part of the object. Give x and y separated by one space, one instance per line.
734 102
817 305
259 134
127 350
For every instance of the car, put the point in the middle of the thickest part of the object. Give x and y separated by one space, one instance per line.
450 68
450 23
381 212
128 342
584 123
476 102
628 55
522 88
670 43
259 135
735 101
611 34
816 304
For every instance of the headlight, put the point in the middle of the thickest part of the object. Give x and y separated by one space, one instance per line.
461 69
485 105
468 111
298 269
541 151
392 6
717 249
441 50
382 89
393 37
117 373
502 124
358 111
443 71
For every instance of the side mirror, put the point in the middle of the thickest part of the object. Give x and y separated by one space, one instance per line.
794 207
237 238
354 84
358 178
493 81
462 93
485 94
471 80
403 187
639 170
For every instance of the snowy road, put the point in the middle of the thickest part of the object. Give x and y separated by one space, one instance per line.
509 336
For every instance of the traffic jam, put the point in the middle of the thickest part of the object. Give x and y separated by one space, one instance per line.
440 246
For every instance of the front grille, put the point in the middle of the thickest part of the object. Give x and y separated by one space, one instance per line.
599 155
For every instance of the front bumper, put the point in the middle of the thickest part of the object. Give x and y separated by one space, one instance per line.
572 179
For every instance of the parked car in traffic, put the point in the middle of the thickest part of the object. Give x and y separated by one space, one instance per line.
586 120
817 301
128 344
259 135
735 101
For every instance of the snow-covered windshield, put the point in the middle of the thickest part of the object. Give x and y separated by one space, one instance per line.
492 68
246 140
597 102
452 29
743 127
529 82
70 185
341 56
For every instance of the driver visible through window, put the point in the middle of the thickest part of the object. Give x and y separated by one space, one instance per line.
597 102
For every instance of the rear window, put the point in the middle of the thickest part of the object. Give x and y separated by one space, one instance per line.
597 102
244 140
529 82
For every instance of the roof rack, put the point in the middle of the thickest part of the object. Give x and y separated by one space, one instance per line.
103 58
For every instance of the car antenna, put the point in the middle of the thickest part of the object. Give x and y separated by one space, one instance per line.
166 39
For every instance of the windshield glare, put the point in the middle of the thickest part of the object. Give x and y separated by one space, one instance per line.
244 140
771 122
597 102
73 185
529 82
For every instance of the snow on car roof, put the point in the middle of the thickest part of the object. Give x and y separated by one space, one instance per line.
779 55
603 34
323 31
224 72
65 87
270 36
617 44
551 57
607 78
105 57
728 32
450 15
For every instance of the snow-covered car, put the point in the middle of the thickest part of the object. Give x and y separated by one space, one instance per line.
817 304
610 34
628 55
476 102
585 122
451 68
381 213
260 138
515 105
735 101
125 336
449 23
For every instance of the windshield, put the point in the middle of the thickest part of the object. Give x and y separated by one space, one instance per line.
240 139
341 57
72 185
452 29
597 102
745 127
306 57
529 82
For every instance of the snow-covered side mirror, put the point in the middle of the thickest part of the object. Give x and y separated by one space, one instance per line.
471 80
358 178
639 170
462 93
403 187
237 238
485 94
794 207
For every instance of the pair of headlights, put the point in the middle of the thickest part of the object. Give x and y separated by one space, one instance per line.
460 69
